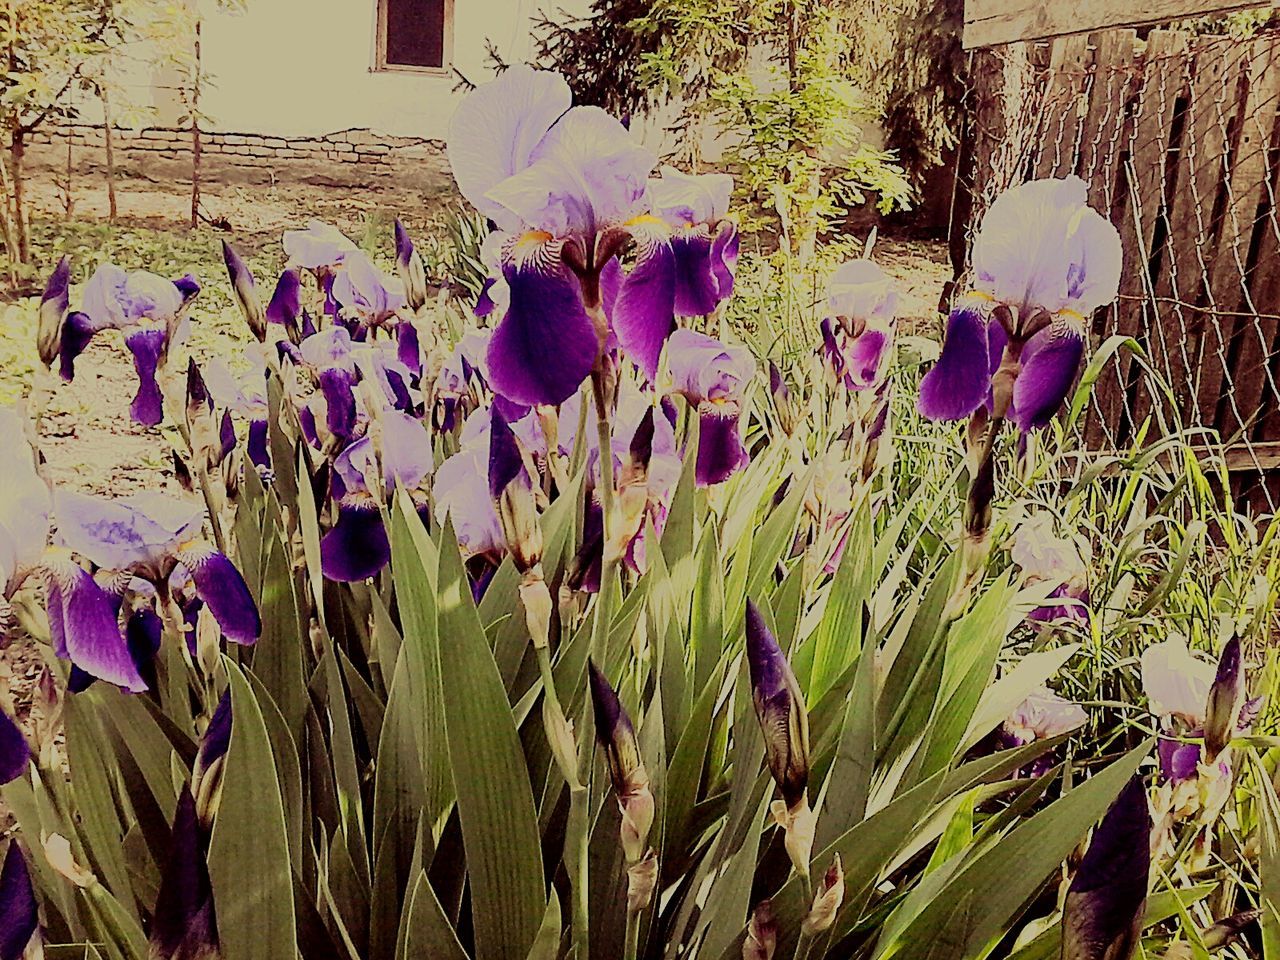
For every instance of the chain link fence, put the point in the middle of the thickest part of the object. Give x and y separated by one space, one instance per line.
1177 135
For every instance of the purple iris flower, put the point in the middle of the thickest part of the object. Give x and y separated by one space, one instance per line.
395 452
244 397
24 509
461 374
562 181
366 296
14 752
149 536
19 911
379 363
1043 715
1179 686
285 307
705 244
328 355
1043 261
712 377
320 247
1046 557
461 494
148 311
858 327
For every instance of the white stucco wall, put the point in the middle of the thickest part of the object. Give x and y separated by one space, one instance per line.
305 67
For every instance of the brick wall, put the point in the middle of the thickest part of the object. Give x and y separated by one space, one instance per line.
248 149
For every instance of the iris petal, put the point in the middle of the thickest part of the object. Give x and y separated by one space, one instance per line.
286 301
357 547
219 584
644 312
960 381
19 913
338 387
697 281
407 347
545 346
1050 360
14 752
146 346
85 626
720 450
724 258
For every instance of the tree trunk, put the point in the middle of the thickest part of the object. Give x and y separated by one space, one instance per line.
195 134
17 151
108 143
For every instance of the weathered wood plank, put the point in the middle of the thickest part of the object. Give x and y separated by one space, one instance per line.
1231 352
1164 79
988 22
1104 140
1065 103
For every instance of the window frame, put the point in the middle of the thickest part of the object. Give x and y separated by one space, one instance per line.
380 64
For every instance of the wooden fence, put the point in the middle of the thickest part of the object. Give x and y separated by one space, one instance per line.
1178 139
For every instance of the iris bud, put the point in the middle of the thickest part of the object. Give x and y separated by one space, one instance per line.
409 266
1103 911
762 933
780 708
513 495
827 900
783 403
245 292
1226 697
53 307
617 738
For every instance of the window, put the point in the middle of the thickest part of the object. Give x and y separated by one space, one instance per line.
414 34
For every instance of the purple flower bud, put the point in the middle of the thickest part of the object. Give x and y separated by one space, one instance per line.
1102 915
617 738
780 708
185 927
245 292
286 303
783 405
206 775
188 286
762 933
1226 697
53 307
409 265
512 493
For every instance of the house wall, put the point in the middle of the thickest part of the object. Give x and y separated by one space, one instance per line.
297 69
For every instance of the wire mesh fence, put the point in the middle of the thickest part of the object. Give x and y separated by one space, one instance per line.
1178 137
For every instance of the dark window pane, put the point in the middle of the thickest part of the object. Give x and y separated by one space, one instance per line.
415 33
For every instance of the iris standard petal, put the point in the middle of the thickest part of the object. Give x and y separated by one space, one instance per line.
586 173
14 752
219 584
19 912
141 529
259 451
496 127
545 346
960 381
356 548
146 346
461 493
89 630
720 450
1050 361
320 246
643 314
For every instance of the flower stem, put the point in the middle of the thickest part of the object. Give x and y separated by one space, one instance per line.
805 945
632 950
575 862
604 600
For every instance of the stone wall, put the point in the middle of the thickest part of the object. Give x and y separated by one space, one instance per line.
245 149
